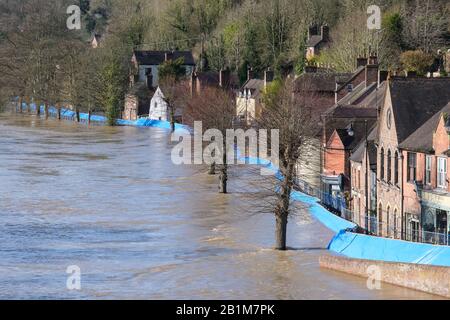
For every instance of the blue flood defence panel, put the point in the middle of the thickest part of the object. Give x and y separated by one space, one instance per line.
362 246
330 220
349 244
367 247
142 122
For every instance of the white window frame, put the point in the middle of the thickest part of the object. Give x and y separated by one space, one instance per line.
442 173
428 162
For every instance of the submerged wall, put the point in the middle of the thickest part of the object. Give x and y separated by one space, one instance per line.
431 279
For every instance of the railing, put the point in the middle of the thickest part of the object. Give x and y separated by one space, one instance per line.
337 205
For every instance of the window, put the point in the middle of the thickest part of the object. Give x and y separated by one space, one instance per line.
428 169
411 166
389 166
382 164
396 160
349 87
442 173
388 233
395 224
359 180
380 220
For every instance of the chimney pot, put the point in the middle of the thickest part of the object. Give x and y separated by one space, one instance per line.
361 62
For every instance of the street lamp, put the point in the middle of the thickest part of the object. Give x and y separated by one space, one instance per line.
351 133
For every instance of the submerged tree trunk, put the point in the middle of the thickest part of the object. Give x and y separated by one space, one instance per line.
172 118
77 115
46 110
282 208
38 108
212 169
20 104
28 105
223 178
281 231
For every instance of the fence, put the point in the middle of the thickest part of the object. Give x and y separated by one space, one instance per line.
337 205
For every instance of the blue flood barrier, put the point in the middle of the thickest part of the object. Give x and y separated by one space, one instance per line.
142 122
346 243
361 246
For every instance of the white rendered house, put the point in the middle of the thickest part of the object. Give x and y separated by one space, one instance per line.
158 107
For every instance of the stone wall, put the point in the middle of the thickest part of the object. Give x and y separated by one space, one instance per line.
430 279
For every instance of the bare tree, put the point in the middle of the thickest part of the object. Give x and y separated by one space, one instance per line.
293 116
175 93
215 108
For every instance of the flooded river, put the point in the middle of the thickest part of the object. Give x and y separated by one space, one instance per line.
109 201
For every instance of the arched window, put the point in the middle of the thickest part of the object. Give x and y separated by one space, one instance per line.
395 224
389 167
388 232
382 164
380 220
396 160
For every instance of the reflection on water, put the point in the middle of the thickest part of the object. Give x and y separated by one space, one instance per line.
110 201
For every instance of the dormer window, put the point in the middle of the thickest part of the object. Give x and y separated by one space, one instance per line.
349 87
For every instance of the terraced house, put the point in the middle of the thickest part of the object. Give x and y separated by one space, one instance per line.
401 169
427 178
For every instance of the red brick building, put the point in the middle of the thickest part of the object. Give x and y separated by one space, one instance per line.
408 104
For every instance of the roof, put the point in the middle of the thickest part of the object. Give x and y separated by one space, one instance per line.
255 86
358 153
421 140
158 57
352 77
415 100
359 132
213 78
314 41
319 81
209 77
141 90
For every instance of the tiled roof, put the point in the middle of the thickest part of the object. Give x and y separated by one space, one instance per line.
358 153
319 81
314 41
421 140
415 100
158 57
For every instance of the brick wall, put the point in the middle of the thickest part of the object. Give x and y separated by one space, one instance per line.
335 156
389 194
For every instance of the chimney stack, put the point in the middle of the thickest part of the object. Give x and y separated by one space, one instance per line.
168 56
312 31
249 73
149 79
382 76
373 60
325 32
224 78
268 76
361 62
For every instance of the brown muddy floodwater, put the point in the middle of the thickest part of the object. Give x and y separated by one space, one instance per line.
110 201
